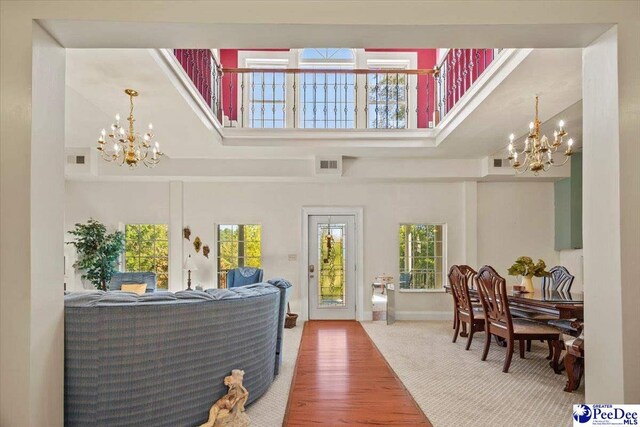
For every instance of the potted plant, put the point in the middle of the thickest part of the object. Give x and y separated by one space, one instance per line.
98 252
525 267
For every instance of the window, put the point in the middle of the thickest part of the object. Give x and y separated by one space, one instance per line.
421 256
387 100
147 249
267 95
238 246
328 100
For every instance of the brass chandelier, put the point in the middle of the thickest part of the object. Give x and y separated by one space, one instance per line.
122 145
538 153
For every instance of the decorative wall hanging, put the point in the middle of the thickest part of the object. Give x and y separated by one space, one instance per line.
206 250
197 244
186 232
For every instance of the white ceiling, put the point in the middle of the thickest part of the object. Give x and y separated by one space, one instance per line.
96 79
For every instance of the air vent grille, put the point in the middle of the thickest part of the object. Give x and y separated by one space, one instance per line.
328 164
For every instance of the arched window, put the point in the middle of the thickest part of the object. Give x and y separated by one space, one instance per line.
327 99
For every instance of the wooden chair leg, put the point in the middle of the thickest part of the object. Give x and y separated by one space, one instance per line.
528 345
521 346
557 349
569 364
456 330
487 344
455 317
507 359
550 355
470 338
580 363
464 333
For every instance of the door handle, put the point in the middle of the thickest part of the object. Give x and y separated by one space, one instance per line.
312 268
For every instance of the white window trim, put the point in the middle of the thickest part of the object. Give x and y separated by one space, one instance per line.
445 250
214 251
122 260
266 59
363 59
401 61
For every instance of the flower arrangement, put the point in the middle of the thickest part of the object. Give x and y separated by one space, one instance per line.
525 267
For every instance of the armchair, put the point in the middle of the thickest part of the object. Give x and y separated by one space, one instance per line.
243 276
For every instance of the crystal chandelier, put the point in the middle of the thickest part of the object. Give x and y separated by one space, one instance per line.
127 146
538 153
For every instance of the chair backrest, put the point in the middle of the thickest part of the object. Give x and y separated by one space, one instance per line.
120 279
493 295
459 278
243 276
560 280
405 280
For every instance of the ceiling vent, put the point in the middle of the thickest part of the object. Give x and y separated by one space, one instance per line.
501 163
329 165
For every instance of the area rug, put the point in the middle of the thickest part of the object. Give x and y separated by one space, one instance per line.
455 388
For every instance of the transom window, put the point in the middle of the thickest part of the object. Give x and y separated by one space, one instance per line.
239 245
147 249
421 256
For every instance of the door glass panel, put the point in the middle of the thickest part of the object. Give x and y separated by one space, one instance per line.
331 262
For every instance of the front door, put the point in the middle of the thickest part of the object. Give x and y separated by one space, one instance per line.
332 289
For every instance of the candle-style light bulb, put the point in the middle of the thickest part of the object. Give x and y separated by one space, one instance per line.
561 124
512 137
157 144
116 147
150 126
117 117
570 142
510 147
103 132
531 126
515 155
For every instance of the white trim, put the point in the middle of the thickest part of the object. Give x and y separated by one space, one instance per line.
182 82
356 211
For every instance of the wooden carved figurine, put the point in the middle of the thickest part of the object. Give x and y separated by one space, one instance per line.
186 232
228 411
206 250
197 244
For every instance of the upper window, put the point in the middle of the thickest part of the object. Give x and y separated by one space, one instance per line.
267 99
328 99
147 249
387 100
239 245
421 256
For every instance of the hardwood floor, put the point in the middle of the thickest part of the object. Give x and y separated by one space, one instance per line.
342 379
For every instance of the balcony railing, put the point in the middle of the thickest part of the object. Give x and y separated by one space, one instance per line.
336 98
458 71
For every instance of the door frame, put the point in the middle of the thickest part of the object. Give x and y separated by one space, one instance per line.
357 212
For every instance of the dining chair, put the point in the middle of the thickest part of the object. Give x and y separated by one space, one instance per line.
498 321
464 310
560 280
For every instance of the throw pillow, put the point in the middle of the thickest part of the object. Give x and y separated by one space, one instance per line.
138 288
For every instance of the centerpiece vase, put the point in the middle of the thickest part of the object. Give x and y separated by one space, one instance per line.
527 283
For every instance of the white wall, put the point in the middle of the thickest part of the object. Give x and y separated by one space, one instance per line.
112 203
515 219
278 207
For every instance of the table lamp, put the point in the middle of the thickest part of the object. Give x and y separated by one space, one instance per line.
190 266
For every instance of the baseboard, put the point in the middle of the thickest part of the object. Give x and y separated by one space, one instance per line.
424 315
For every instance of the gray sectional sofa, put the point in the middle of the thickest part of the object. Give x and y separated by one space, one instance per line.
160 358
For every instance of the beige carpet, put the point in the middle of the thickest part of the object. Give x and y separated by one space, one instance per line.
454 388
268 411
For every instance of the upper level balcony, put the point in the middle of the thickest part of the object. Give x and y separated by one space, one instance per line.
328 89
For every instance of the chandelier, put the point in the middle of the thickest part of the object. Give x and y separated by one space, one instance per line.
538 153
122 145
